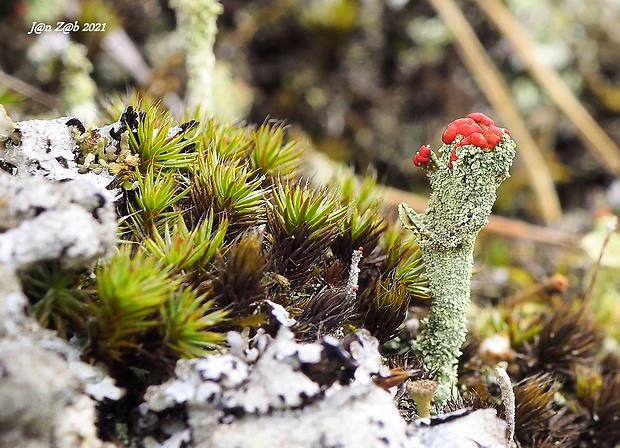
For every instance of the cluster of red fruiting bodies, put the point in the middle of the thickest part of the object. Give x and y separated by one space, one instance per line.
476 129
422 156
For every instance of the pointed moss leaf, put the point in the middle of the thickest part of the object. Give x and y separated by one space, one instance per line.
131 287
270 155
158 146
226 140
228 189
182 248
297 206
158 192
57 300
185 322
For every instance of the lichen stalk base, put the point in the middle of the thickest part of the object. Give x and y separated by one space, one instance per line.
445 328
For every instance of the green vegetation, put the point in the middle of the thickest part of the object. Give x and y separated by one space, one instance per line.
213 222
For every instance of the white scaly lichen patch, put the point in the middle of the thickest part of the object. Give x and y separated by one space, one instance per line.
48 149
274 381
43 220
262 397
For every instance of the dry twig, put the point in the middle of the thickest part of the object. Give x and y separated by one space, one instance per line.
593 136
493 86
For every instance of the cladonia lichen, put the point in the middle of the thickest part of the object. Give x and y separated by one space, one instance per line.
197 25
464 176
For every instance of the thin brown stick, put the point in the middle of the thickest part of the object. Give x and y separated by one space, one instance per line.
593 136
27 90
555 283
497 225
493 86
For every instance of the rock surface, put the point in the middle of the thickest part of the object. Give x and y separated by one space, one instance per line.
42 382
268 396
53 216
49 220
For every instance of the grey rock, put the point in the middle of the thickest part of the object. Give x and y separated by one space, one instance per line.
47 212
263 396
42 397
34 398
353 416
45 220
233 401
12 302
479 429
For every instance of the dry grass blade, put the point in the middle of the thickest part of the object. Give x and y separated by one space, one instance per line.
497 225
29 91
486 74
594 137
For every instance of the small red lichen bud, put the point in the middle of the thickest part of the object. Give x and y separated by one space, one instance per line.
422 156
355 288
463 126
452 157
481 118
361 248
424 151
476 139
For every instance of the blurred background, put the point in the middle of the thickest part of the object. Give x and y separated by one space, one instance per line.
364 82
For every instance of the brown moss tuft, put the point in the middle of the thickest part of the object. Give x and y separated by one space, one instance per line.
602 427
570 337
539 421
238 283
324 313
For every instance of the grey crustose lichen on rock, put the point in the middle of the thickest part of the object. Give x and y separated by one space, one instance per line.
47 213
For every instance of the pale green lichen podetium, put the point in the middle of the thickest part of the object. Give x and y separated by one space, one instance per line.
197 25
473 162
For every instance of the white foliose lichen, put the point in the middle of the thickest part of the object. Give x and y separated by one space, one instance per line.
274 398
43 220
65 149
50 149
273 382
